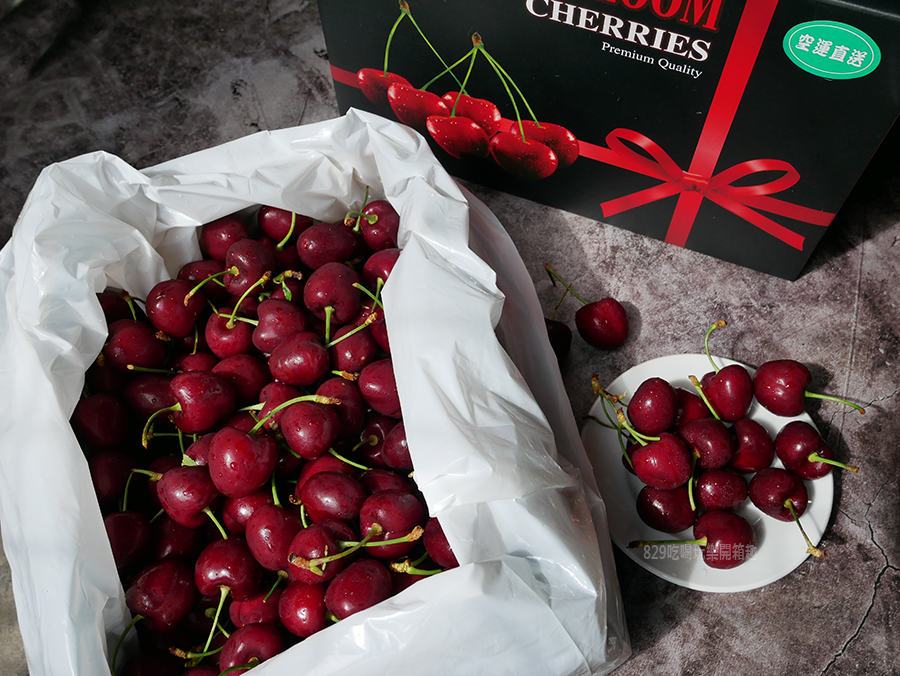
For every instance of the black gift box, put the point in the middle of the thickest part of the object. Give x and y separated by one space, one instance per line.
736 129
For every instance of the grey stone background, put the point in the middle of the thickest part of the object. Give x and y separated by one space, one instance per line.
150 81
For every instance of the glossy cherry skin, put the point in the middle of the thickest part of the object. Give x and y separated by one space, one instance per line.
332 286
332 495
184 492
129 538
217 236
796 442
710 439
196 272
236 512
730 391
247 373
523 158
723 488
205 399
374 84
225 337
318 540
395 450
380 226
668 511
260 641
146 394
260 608
731 540
241 463
327 243
163 592
652 408
780 386
279 223
559 139
772 487
413 106
379 266
170 309
481 111
310 428
269 532
602 323
690 407
252 260
301 360
134 343
663 464
278 320
397 512
437 545
754 448
228 563
361 585
378 387
110 469
459 137
351 411
302 610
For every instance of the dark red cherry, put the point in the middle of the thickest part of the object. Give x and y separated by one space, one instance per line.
236 512
247 373
241 463
710 439
665 463
730 391
185 492
380 224
301 360
378 387
260 608
258 642
332 495
602 323
134 343
722 488
668 511
226 337
101 420
229 564
327 243
730 539
310 428
437 545
301 609
803 451
330 292
251 260
163 592
653 407
203 399
772 487
172 307
269 533
281 224
217 236
754 448
379 266
278 320
398 512
129 538
361 585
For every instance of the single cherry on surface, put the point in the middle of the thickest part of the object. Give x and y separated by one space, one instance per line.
602 323
780 387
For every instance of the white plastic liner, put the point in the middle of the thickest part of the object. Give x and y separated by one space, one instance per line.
495 446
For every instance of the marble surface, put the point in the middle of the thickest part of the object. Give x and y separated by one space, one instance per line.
149 81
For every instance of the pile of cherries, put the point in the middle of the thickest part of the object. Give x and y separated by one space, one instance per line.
245 440
700 457
467 127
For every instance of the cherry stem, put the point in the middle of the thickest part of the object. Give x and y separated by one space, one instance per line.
370 440
504 77
329 310
313 565
641 438
115 652
281 576
147 432
815 551
369 320
697 386
815 457
354 224
412 567
387 47
554 276
716 325
318 398
194 656
262 281
816 395
404 7
348 461
694 457
559 302
374 296
223 594
129 301
212 517
287 237
449 69
233 270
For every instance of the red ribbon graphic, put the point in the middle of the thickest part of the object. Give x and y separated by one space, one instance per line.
699 182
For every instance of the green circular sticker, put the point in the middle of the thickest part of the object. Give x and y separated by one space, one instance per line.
832 50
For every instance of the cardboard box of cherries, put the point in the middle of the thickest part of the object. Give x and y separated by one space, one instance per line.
271 415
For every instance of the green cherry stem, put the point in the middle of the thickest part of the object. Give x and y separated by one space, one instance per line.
387 47
642 439
815 457
716 325
319 399
115 652
280 246
348 461
262 281
404 7
815 551
233 270
828 397
554 277
697 386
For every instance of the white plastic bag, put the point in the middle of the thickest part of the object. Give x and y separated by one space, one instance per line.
492 437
